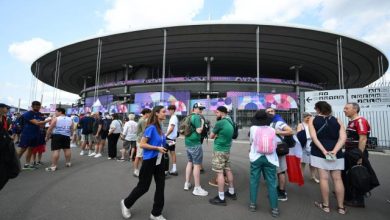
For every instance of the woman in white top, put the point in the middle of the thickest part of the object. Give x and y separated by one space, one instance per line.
113 136
129 137
304 126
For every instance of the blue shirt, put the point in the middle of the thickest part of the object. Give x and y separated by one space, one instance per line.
154 139
86 124
30 129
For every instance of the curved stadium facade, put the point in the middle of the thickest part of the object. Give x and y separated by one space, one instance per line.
219 60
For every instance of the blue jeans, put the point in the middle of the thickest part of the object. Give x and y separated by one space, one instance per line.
269 173
195 154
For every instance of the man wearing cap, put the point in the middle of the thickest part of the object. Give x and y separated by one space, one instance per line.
194 152
30 133
223 133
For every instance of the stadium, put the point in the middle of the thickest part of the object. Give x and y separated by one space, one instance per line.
242 66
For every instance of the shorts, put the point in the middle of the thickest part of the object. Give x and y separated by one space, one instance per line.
170 147
78 133
195 154
103 135
220 162
59 141
87 137
39 149
29 141
140 152
282 164
129 144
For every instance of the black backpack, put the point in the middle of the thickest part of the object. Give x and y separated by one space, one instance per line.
106 124
9 161
235 129
206 128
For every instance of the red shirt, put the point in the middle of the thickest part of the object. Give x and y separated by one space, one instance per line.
356 127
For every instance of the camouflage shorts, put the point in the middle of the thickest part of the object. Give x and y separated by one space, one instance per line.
220 161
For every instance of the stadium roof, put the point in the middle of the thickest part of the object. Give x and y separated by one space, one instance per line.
233 47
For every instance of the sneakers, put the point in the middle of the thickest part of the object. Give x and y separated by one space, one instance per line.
231 196
252 207
91 154
173 173
120 160
160 217
136 173
187 186
73 145
109 158
125 211
98 155
51 169
217 201
282 195
198 191
29 167
275 212
69 164
82 153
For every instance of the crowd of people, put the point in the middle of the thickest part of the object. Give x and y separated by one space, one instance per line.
148 146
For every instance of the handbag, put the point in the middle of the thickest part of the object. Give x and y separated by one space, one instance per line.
282 149
302 138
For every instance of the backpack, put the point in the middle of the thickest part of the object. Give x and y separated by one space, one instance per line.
206 128
185 127
106 124
235 128
264 140
360 178
301 135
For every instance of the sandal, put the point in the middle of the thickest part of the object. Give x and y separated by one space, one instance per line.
323 207
341 210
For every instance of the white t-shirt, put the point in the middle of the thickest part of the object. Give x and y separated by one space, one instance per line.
279 126
173 121
117 126
130 131
254 155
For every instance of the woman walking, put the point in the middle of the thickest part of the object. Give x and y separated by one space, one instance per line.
152 143
328 135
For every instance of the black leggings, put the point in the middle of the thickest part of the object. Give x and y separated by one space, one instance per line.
148 170
112 142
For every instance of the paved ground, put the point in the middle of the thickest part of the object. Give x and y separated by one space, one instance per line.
92 189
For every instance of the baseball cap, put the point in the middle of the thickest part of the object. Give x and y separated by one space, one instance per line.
198 105
222 109
2 105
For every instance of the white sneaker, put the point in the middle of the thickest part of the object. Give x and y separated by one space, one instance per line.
82 153
98 155
187 186
73 145
125 211
198 191
92 154
136 173
160 217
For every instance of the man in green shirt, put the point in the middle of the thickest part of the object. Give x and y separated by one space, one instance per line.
194 151
223 133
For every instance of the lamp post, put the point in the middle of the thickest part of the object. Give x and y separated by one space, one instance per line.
208 60
127 67
296 68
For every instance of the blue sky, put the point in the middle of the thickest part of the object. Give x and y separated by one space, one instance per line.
32 28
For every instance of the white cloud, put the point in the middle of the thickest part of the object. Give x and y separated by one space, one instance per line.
28 51
135 14
269 11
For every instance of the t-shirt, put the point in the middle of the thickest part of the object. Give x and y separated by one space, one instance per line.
117 126
130 131
141 128
154 139
96 124
173 121
224 131
279 125
85 124
193 139
357 127
30 129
